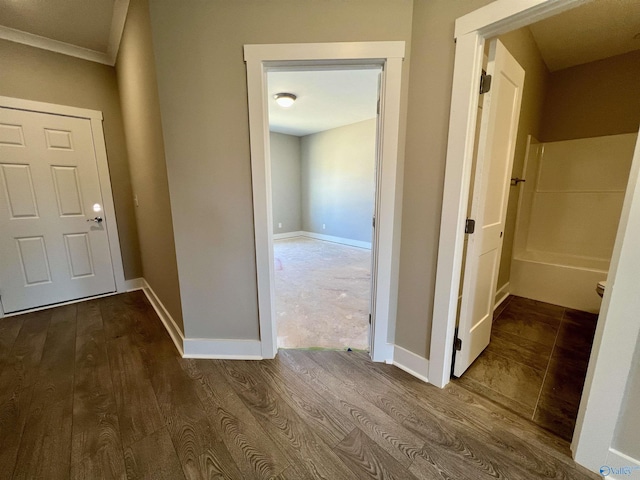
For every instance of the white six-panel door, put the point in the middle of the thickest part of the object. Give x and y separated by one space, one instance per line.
52 248
498 131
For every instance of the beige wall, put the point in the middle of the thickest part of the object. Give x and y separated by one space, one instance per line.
522 46
339 181
203 98
286 196
43 76
141 115
432 52
594 99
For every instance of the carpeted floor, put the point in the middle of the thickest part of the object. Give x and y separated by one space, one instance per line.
322 294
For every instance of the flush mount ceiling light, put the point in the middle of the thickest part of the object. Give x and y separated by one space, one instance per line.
285 99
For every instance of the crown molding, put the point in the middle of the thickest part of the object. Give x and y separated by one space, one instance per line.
118 20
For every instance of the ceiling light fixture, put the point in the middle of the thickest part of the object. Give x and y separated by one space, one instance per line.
285 100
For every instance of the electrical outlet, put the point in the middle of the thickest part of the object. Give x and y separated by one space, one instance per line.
324 226
279 225
135 200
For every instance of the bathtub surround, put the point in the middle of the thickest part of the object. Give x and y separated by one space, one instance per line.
536 362
568 217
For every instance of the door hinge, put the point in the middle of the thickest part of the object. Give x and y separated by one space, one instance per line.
485 83
457 344
373 222
378 107
369 319
469 225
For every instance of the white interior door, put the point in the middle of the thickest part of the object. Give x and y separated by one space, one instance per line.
53 237
498 130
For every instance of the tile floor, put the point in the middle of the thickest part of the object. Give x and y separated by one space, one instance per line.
322 292
536 362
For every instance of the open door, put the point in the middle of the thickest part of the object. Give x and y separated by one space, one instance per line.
498 130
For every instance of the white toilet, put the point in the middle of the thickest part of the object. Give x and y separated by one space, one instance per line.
601 286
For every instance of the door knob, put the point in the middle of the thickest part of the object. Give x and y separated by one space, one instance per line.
95 219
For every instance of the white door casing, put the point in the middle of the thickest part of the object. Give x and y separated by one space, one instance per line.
389 55
53 171
498 132
616 335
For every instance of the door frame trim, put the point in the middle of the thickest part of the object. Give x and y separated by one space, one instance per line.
390 56
97 133
618 325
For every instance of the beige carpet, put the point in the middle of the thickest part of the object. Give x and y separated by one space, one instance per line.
322 294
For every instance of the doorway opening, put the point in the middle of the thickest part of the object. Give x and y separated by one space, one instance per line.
323 155
386 238
590 449
564 204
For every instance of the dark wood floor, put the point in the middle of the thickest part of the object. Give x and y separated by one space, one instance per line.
97 390
536 362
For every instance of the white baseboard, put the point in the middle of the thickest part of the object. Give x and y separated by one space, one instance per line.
343 241
619 466
222 349
169 323
135 284
200 347
411 363
502 294
326 238
280 236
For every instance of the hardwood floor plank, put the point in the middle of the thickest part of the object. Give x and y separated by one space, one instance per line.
289 474
300 443
367 460
9 330
46 442
16 384
389 434
153 457
138 413
200 450
252 449
378 393
21 367
45 446
107 396
459 403
450 409
96 447
14 413
329 423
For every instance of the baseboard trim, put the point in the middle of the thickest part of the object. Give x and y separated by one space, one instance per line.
322 236
502 294
281 236
135 284
341 240
619 465
199 347
165 317
222 349
411 363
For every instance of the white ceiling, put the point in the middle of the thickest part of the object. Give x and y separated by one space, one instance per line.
326 99
89 29
593 31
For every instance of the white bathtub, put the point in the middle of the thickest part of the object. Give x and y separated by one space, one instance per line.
559 279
